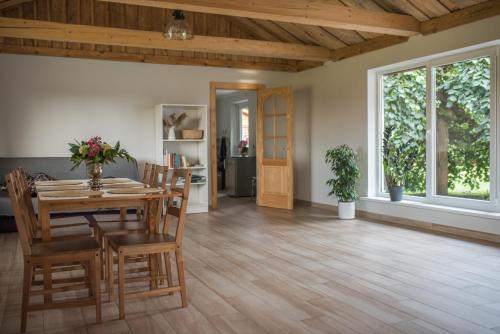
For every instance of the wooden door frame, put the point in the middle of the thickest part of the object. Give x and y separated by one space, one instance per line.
213 128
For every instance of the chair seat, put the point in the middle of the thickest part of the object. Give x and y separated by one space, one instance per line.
116 227
131 240
65 247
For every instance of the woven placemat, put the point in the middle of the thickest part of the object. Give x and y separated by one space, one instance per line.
135 191
124 185
59 183
117 180
72 193
56 188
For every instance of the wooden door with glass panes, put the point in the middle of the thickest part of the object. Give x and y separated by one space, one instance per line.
274 148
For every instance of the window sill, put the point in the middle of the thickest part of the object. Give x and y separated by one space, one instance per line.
434 207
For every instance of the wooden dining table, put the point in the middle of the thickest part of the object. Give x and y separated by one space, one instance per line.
51 198
75 195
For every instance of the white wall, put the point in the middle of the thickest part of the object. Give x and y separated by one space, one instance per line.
47 102
339 107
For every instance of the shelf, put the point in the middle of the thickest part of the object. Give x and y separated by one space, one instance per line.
192 183
196 151
192 168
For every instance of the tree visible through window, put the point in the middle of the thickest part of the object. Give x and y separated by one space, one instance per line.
462 120
463 129
404 109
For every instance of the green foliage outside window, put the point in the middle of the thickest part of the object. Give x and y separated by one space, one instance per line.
462 98
404 111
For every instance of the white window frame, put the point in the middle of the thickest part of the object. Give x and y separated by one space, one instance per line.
239 106
431 196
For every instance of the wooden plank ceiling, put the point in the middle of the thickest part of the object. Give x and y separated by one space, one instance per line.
342 43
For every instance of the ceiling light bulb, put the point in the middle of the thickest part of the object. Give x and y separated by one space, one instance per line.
179 29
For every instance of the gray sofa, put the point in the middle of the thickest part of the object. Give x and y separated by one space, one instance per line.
59 168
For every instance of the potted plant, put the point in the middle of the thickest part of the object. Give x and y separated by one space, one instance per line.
343 164
398 159
243 147
95 152
171 123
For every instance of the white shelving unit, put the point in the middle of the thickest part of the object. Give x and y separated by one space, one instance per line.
195 150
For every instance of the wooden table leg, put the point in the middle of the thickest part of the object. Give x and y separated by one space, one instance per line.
44 220
123 214
152 224
97 287
121 285
47 282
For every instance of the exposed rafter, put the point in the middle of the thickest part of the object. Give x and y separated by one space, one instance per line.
367 46
155 59
460 17
61 32
316 13
11 3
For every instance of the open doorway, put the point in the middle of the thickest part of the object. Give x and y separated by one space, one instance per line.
233 112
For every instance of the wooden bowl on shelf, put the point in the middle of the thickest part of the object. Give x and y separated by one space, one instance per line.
192 134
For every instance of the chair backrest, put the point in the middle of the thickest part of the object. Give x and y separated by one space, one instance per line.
28 205
184 176
147 173
152 175
157 183
21 216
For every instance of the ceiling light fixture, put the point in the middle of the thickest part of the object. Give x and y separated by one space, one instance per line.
179 29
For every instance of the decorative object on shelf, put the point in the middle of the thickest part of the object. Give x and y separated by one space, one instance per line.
94 152
243 148
192 134
179 29
172 122
343 164
398 157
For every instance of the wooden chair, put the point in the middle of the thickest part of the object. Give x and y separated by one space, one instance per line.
146 179
60 231
153 243
105 229
52 253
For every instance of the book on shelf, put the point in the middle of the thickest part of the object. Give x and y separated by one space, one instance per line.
175 160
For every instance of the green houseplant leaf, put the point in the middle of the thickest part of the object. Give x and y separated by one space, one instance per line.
343 164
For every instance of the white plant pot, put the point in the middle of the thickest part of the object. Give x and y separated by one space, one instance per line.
347 210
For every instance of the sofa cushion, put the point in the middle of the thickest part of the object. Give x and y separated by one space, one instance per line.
31 182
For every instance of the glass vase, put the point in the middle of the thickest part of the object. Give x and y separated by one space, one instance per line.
94 170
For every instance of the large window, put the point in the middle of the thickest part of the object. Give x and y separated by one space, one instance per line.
443 115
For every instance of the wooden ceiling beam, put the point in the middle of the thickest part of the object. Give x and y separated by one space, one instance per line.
61 32
467 15
10 3
290 66
316 13
367 46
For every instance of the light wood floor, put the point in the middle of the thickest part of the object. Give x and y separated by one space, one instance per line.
254 270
